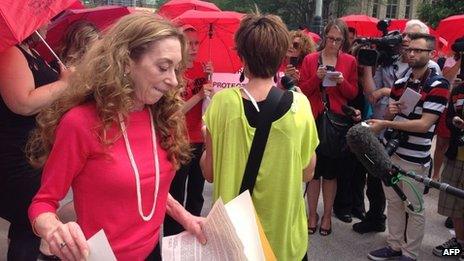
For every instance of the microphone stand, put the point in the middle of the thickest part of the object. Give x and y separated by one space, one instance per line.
445 187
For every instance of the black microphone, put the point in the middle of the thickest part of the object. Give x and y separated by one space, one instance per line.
372 155
288 83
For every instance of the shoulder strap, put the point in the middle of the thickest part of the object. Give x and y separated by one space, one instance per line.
266 115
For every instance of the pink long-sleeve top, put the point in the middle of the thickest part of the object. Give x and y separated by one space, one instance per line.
338 95
103 181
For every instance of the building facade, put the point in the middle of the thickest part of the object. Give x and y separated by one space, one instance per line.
381 9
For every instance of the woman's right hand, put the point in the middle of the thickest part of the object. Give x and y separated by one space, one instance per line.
321 71
66 241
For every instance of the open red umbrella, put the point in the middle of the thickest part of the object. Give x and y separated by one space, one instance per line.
175 8
216 34
365 26
451 28
19 19
316 38
101 17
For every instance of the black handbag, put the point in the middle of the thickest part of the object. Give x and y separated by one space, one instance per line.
331 129
266 115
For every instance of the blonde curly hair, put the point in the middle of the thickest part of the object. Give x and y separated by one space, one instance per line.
100 78
307 44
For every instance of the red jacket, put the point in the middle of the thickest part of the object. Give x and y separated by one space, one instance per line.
338 95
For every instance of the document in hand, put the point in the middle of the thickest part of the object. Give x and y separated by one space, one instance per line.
409 99
100 248
233 232
328 79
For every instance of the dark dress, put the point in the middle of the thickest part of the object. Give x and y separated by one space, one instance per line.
19 182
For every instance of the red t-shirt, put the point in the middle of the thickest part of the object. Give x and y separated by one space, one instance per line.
338 95
195 77
103 181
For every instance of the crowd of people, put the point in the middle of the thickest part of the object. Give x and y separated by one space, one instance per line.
120 121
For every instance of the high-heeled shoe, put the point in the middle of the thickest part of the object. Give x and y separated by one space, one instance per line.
312 230
325 232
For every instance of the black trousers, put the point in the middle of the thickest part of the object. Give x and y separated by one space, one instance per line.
194 187
376 197
16 192
350 187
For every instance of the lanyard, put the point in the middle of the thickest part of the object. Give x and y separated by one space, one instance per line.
136 171
252 99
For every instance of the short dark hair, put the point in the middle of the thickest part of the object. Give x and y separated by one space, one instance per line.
430 39
262 42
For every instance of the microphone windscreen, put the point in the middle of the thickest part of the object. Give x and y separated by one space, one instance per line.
369 151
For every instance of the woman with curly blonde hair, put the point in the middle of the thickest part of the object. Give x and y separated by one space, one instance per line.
116 137
300 46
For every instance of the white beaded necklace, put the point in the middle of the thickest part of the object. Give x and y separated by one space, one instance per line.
136 171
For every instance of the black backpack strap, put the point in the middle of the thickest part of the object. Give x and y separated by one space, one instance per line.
266 115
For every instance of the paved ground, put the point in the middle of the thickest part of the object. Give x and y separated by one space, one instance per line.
343 243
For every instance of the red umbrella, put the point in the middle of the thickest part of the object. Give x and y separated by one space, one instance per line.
101 17
451 28
19 19
216 33
316 38
365 26
175 8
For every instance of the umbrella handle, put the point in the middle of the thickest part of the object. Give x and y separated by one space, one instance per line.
49 48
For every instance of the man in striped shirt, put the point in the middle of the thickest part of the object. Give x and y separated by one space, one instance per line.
413 154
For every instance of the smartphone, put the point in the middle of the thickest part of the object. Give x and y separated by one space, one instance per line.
294 61
330 68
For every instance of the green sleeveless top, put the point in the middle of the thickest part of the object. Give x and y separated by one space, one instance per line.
278 193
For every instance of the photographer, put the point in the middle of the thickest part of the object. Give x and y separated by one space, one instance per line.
413 154
453 174
377 90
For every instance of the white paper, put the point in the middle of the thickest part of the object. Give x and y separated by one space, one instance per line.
328 82
243 217
409 100
100 248
231 231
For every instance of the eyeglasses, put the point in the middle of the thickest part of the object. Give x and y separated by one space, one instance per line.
333 39
416 50
296 45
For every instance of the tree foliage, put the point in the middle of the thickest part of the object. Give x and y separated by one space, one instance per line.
432 13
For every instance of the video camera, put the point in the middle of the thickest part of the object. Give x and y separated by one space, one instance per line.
383 51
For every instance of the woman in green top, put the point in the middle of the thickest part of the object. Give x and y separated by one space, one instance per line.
289 158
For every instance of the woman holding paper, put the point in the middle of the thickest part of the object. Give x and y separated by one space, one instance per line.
27 85
117 138
231 121
334 72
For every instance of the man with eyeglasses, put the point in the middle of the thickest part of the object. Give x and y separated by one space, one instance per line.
384 78
413 154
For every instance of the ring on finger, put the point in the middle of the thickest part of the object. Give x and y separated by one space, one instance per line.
62 244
